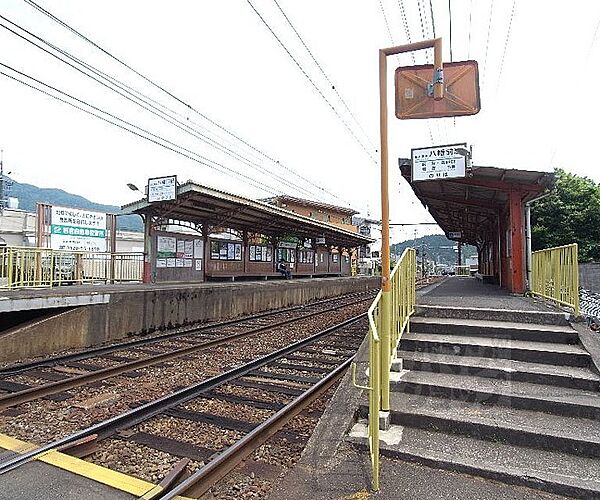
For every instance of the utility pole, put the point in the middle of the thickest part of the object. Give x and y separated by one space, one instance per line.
459 254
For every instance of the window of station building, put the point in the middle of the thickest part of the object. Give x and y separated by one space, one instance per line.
287 254
225 250
260 253
306 256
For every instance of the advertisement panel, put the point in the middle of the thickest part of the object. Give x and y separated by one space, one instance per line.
74 229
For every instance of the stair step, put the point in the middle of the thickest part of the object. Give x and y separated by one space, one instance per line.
507 369
496 329
539 317
551 471
521 395
520 350
577 436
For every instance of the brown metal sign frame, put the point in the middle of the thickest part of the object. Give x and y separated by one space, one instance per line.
461 95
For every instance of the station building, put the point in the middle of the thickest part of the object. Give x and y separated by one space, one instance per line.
489 210
207 234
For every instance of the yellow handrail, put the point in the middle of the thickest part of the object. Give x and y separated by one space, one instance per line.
555 275
44 267
403 298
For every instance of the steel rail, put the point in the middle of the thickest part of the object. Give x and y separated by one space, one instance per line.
206 477
134 416
32 393
18 368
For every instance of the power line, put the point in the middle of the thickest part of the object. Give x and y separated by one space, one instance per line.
333 87
181 101
450 23
487 43
154 138
319 91
470 19
406 27
423 28
508 32
432 18
387 24
155 111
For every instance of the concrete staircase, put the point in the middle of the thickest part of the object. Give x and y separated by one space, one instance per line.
506 395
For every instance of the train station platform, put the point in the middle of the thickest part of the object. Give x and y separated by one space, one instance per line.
471 292
40 321
495 396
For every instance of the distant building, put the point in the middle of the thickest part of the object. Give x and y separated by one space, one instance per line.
369 257
338 216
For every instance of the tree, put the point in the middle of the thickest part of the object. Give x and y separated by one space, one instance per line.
571 214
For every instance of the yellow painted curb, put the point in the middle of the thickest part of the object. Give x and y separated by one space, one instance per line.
97 473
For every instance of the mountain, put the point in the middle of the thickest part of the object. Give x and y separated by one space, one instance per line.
437 247
30 195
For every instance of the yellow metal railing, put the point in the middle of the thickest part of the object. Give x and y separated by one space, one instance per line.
402 305
555 275
462 270
43 267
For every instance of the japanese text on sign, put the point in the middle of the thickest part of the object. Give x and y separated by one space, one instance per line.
162 188
440 162
77 230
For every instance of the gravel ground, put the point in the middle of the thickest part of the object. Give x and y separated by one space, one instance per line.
153 382
279 454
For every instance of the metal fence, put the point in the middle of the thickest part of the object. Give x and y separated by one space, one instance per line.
462 270
381 356
43 267
555 275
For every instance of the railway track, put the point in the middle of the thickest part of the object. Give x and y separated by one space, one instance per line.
52 376
214 424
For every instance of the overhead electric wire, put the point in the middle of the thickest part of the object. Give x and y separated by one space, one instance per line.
450 23
315 86
487 44
181 101
146 106
333 87
154 138
406 27
428 57
470 24
387 24
506 41
432 18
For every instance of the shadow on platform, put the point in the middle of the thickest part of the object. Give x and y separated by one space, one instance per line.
458 291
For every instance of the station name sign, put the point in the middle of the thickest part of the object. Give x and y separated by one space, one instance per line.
162 188
439 162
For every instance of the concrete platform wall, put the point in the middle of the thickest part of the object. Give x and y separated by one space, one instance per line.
138 312
589 276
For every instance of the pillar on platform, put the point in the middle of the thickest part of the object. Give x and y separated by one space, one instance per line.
517 264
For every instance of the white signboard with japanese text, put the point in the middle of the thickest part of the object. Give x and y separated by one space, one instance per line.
439 162
162 188
79 230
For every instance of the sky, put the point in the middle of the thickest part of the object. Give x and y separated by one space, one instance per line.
537 63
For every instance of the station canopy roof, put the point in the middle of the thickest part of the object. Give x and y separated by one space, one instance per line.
284 198
203 205
472 204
